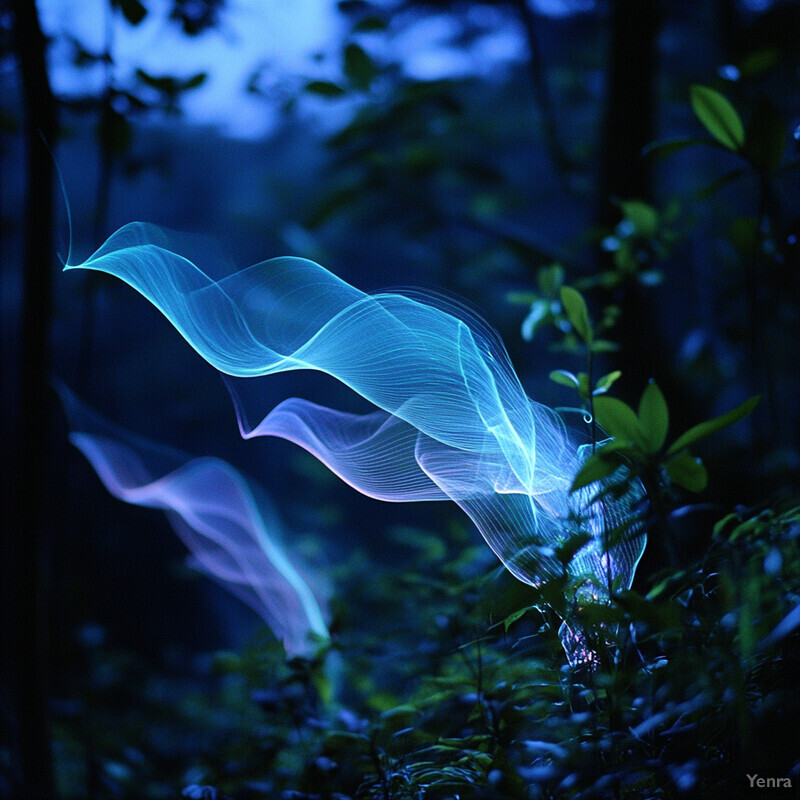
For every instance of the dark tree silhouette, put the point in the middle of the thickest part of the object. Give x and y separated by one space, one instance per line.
624 174
25 632
629 100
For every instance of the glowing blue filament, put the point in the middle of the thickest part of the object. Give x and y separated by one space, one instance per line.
452 419
232 533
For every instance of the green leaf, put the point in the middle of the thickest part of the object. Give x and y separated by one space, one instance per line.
358 66
619 420
163 84
226 661
653 417
713 425
577 313
605 383
322 683
718 183
687 471
194 82
604 346
325 88
521 298
643 216
663 148
765 141
598 466
565 378
551 279
516 615
169 85
725 523
370 24
401 710
132 10
718 116
566 551
670 585
758 62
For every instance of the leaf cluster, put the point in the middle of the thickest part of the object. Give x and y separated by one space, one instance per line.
637 440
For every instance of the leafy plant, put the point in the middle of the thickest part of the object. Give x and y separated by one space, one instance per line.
643 239
638 439
761 144
583 383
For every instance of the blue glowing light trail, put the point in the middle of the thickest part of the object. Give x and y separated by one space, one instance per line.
452 419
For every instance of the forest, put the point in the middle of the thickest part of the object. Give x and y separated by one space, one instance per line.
400 399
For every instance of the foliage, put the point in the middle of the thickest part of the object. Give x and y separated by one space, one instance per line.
762 144
452 686
638 439
124 97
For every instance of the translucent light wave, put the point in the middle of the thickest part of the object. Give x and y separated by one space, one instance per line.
230 528
453 420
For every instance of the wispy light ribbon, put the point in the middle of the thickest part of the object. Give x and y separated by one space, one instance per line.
227 524
453 420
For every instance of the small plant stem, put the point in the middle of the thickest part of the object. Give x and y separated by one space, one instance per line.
759 356
604 652
590 399
653 491
376 760
536 69
593 433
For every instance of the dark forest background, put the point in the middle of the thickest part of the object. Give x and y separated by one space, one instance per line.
588 152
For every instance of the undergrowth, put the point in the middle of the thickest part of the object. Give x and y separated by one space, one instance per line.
454 685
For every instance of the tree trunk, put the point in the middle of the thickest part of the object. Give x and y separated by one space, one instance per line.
538 75
629 115
25 635
628 127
